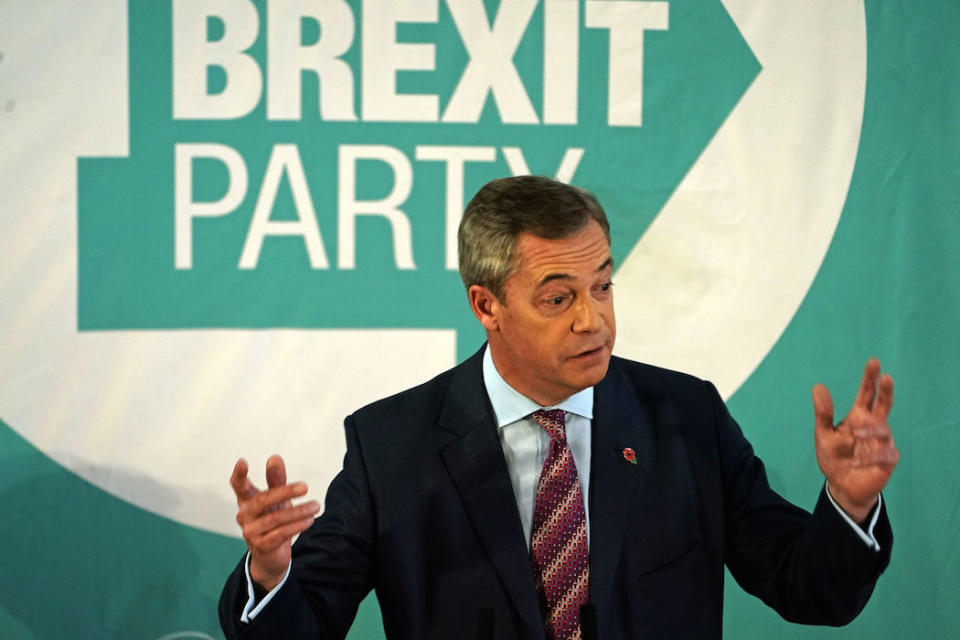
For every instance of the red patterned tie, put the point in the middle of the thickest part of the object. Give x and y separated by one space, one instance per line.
558 549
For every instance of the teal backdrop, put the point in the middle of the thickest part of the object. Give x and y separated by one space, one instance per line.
202 234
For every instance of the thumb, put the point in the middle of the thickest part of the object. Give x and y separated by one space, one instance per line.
822 407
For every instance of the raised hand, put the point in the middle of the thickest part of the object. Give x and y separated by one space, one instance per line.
269 519
858 455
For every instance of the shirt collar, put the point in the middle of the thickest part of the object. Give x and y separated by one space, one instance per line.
509 405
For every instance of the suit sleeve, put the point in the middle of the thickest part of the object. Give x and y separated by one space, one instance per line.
810 568
332 566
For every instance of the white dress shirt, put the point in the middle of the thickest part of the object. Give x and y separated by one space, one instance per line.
526 444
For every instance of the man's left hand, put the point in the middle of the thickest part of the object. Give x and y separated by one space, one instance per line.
858 455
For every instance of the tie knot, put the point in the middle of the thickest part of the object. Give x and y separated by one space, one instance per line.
552 422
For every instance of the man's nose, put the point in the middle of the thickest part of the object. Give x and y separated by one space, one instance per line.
587 318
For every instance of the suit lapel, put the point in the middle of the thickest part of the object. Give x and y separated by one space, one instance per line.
475 462
616 485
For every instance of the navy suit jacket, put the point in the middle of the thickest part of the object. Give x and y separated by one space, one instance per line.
424 513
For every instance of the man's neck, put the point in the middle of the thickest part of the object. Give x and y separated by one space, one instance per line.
522 385
510 404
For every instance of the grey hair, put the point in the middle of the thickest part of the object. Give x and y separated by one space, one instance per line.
503 209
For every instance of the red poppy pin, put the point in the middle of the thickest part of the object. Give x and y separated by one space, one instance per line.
629 455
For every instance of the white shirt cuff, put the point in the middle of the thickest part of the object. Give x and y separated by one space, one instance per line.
866 536
249 611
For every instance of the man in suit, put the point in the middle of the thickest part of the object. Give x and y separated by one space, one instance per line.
545 489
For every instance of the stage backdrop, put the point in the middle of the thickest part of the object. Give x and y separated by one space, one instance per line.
226 224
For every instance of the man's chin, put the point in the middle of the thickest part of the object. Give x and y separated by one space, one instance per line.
591 366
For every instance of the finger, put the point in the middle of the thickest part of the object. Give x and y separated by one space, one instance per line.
282 535
868 385
884 457
240 483
276 497
873 430
276 472
266 523
881 408
893 457
822 407
268 501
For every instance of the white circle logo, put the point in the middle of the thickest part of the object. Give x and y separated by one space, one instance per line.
158 416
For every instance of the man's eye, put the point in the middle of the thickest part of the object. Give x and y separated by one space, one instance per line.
556 301
606 286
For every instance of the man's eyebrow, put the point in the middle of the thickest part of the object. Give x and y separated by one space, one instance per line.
554 276
566 276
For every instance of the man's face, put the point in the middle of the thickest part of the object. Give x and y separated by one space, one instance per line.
554 330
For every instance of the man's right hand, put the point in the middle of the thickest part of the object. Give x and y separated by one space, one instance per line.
270 520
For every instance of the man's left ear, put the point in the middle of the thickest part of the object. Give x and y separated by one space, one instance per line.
485 306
